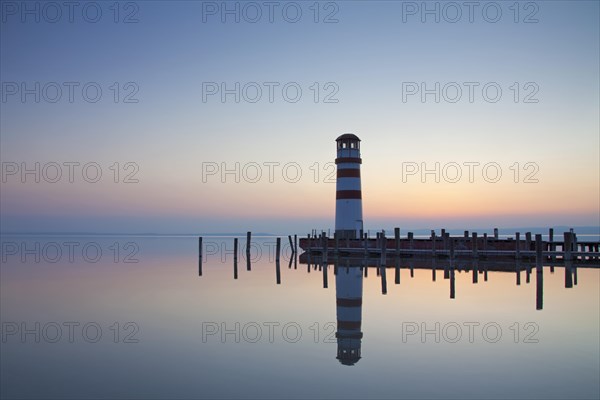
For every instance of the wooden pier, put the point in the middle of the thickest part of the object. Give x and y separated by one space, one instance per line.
470 246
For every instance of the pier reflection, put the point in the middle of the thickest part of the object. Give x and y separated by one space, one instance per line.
348 295
350 271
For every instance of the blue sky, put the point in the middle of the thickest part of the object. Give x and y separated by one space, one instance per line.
367 55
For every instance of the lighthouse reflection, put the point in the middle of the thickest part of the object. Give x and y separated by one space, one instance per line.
348 294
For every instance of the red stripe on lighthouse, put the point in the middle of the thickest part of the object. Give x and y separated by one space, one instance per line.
348 324
348 173
342 160
349 302
348 194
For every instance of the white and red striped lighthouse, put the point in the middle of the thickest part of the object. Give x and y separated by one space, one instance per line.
348 204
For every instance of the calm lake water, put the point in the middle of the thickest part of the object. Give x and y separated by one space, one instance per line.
130 317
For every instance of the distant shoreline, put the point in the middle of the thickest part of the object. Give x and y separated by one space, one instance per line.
580 230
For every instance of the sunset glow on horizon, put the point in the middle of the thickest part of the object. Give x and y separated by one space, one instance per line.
518 147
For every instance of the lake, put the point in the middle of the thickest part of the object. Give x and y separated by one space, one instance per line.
130 317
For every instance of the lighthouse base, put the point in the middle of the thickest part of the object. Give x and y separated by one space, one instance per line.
347 234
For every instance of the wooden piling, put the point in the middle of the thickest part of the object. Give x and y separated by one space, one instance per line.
383 248
383 280
397 239
539 280
485 241
410 240
433 243
568 273
200 256
518 245
528 241
452 284
278 249
235 258
444 248
495 233
235 250
291 243
538 252
551 245
567 246
474 244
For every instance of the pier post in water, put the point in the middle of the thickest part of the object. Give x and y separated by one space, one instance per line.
248 262
474 244
538 252
200 256
539 281
235 258
235 250
567 246
551 245
383 250
518 245
495 233
277 263
383 263
452 283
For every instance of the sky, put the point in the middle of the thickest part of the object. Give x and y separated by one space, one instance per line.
189 116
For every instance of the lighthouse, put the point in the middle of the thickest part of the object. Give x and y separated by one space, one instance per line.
348 198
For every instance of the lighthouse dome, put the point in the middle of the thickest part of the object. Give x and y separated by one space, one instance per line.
348 136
